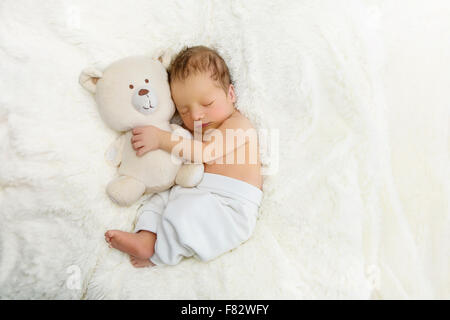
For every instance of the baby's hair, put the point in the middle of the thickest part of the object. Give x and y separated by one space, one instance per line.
200 59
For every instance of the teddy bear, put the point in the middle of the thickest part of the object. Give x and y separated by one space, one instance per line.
132 92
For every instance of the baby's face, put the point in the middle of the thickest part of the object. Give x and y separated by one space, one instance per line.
200 98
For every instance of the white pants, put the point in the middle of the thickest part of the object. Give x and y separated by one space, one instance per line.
205 221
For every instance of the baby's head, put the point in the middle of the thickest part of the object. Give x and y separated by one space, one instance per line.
201 87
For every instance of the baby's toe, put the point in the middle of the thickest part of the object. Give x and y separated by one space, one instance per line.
109 236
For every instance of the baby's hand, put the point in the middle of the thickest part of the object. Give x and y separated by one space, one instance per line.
145 139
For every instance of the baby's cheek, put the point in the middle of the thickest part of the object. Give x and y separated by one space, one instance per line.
220 113
188 122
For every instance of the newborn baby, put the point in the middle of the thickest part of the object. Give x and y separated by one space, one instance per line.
220 213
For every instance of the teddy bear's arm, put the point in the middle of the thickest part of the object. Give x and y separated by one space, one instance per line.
113 154
190 174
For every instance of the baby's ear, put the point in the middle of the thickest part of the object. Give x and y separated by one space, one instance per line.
89 77
165 58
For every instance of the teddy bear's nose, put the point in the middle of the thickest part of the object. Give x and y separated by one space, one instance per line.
143 92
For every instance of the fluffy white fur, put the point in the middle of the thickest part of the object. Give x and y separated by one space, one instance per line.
331 223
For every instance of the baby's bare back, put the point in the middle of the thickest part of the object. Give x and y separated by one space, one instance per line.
243 162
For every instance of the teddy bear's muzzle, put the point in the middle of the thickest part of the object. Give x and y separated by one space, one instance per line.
144 100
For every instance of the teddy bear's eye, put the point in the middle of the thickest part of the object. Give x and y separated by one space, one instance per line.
131 86
146 80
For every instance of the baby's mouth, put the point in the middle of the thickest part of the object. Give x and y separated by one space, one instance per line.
206 124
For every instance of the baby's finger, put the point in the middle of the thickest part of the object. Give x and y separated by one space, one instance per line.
141 151
137 145
136 137
137 130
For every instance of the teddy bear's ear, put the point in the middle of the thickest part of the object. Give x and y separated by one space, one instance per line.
89 77
165 58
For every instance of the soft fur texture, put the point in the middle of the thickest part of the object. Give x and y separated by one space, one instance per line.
331 224
134 92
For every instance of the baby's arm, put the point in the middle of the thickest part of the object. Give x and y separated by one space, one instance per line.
219 142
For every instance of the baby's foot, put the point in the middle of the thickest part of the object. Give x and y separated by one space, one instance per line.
140 245
140 263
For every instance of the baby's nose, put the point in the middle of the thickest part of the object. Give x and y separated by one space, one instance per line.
143 92
197 117
197 112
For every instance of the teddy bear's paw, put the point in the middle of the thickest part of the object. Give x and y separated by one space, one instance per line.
125 191
190 175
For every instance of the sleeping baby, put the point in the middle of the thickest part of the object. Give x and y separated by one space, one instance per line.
219 213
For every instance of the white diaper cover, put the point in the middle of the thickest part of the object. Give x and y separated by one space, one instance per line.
204 221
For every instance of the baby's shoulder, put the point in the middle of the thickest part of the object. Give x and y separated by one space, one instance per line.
237 121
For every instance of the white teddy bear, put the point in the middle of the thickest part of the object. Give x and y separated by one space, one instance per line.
135 92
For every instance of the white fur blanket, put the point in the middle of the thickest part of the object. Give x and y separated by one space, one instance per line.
330 225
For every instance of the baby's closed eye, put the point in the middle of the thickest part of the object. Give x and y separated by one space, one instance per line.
208 104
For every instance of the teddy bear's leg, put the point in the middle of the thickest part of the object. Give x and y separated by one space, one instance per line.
125 190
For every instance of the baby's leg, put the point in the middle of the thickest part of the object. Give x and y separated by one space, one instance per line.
140 245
